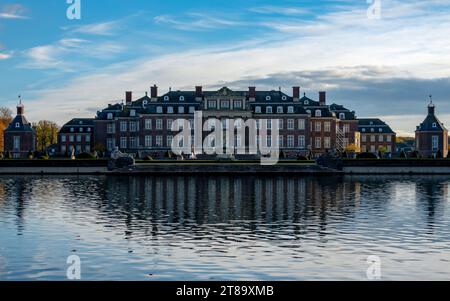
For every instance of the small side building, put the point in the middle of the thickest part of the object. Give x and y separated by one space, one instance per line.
431 135
376 134
76 135
20 136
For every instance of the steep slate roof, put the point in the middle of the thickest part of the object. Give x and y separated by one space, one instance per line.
338 109
366 125
430 120
23 125
77 123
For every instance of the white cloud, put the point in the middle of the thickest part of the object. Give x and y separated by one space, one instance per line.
197 22
102 29
13 11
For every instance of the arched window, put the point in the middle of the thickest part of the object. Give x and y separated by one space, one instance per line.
166 98
269 110
434 125
181 98
284 97
268 98
342 116
17 125
318 113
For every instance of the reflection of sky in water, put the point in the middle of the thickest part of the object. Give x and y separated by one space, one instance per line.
246 228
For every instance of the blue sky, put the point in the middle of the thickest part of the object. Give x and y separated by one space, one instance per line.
382 67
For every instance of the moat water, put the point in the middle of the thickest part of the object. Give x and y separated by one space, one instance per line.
225 228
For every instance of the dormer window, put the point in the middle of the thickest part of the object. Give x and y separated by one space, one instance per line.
191 110
363 130
290 109
133 113
308 112
169 110
371 123
342 116
284 97
109 116
372 130
180 110
72 130
89 129
434 125
257 109
280 110
182 98
81 130
268 98
145 102
166 98
380 130
318 113
159 110
269 110
306 102
17 125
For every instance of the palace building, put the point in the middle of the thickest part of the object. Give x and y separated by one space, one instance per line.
76 136
20 136
431 135
376 135
143 126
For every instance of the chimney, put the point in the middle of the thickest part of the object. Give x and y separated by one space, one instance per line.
154 93
128 98
198 93
323 98
296 93
252 93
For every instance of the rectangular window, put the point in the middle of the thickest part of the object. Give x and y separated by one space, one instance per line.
148 141
318 142
346 128
380 138
63 138
16 142
87 148
290 141
372 138
134 142
301 124
318 126
123 126
238 104
269 141
225 104
389 149
148 124
280 141
301 141
212 104
79 138
123 142
159 141
169 124
280 124
435 142
133 126
327 126
269 124
111 128
88 138
71 138
169 140
159 124
327 142
110 144
346 142
63 149
389 138
363 138
290 124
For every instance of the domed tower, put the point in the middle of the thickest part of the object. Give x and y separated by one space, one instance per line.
431 134
20 136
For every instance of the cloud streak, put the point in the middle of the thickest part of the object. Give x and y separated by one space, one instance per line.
13 11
